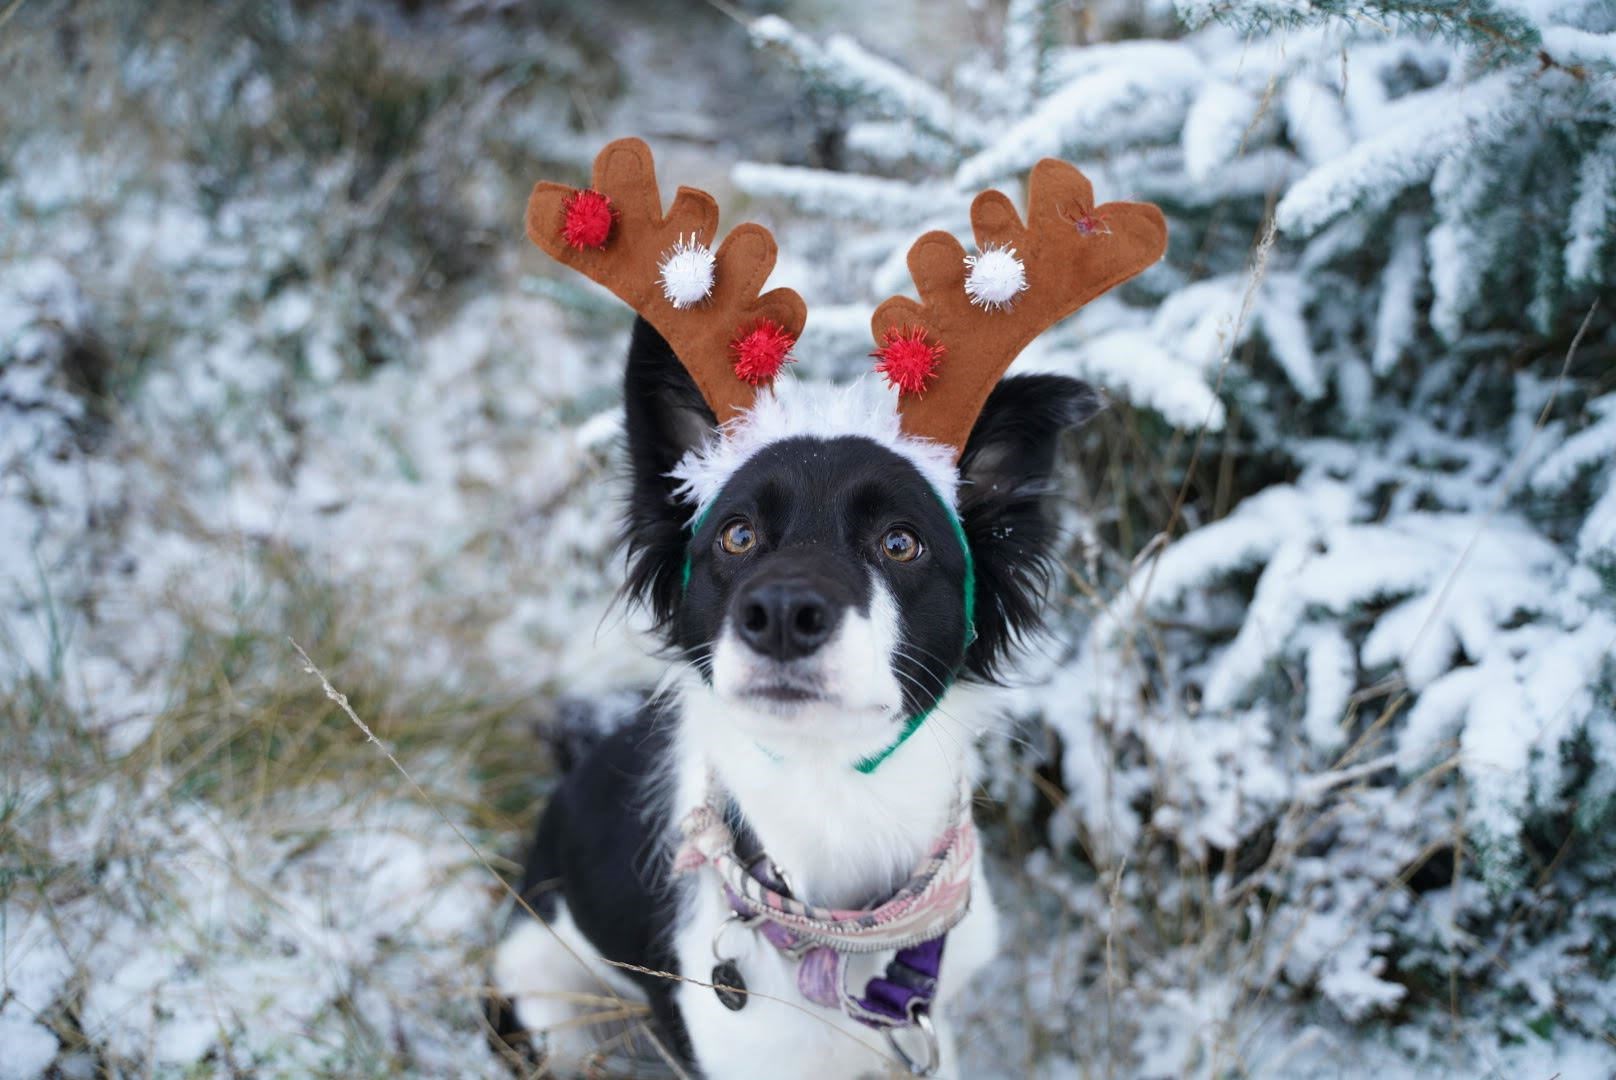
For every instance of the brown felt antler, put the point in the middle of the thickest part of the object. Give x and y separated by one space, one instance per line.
945 353
707 306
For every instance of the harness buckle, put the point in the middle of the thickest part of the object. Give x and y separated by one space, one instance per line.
926 1066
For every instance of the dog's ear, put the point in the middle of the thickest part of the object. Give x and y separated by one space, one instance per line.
1004 484
664 415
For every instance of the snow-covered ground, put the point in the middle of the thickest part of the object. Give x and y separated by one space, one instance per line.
276 363
221 427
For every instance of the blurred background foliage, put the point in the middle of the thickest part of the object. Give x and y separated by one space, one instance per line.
1317 772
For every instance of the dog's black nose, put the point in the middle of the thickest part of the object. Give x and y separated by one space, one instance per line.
785 620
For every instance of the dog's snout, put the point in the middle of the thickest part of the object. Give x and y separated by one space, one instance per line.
784 620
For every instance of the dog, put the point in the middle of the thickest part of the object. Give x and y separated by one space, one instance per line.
824 607
774 863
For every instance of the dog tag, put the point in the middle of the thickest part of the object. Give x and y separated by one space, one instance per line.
729 986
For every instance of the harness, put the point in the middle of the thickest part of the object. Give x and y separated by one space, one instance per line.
913 922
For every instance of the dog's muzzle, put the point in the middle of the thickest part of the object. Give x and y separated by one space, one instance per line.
791 605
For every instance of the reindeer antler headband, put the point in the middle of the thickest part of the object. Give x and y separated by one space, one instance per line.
705 305
976 313
943 354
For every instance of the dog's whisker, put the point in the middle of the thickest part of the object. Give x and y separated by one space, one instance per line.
916 646
924 669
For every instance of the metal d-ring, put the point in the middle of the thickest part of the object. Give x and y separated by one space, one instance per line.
934 1053
746 922
775 872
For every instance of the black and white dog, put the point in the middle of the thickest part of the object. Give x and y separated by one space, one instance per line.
823 582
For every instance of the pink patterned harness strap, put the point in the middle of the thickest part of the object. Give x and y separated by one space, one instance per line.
928 905
914 922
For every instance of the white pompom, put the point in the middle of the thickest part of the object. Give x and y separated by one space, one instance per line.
995 277
687 273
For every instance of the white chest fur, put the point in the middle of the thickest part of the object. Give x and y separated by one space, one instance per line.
845 838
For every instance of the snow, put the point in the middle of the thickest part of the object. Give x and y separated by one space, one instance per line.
1280 316
1027 36
1416 133
1593 214
1568 45
1133 365
1247 538
1396 319
1436 717
893 142
1455 273
1201 322
34 968
352 920
822 191
1315 120
1531 691
859 73
1596 540
1275 614
1331 677
29 1047
430 495
1142 97
1259 170
836 341
1490 571
1215 127
1592 447
1352 981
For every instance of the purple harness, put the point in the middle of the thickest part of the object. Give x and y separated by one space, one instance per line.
893 999
914 922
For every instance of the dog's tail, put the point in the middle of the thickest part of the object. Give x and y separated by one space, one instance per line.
579 724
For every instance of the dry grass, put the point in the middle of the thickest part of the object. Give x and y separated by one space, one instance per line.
248 741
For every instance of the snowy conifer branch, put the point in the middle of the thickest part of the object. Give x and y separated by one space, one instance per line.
1421 130
1498 30
844 68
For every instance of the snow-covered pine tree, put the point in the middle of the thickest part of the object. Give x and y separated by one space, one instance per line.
1336 703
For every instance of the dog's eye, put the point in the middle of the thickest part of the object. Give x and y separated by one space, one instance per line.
737 537
901 545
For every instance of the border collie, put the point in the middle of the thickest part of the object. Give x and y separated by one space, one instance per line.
821 603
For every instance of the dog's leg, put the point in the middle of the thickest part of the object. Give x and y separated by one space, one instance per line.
563 996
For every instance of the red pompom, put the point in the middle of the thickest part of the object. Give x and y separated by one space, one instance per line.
589 217
907 359
761 352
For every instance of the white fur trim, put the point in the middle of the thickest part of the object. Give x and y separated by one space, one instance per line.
866 407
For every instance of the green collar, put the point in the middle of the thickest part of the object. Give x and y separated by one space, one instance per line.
869 764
